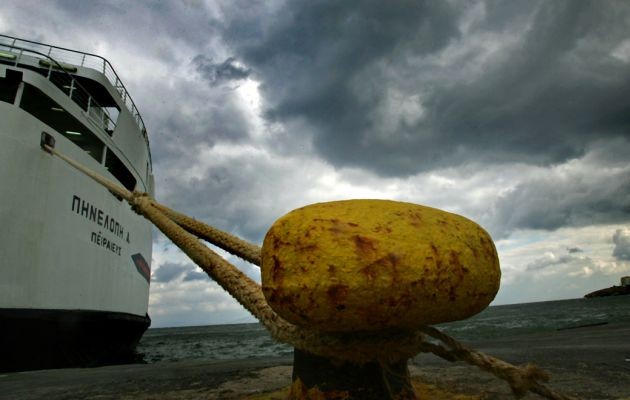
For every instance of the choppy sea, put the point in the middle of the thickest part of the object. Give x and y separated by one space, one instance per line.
241 341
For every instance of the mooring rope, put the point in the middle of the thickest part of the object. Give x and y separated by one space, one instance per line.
383 347
228 242
520 378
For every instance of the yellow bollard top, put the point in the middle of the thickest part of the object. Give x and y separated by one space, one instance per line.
366 265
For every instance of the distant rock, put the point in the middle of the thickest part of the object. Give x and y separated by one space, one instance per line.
611 291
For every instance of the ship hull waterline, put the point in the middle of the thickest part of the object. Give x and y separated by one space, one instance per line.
43 339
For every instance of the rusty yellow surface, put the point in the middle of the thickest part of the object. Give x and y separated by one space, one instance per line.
365 265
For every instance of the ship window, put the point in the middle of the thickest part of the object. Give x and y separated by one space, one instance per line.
42 107
119 170
9 85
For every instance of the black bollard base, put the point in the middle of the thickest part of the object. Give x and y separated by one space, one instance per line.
316 377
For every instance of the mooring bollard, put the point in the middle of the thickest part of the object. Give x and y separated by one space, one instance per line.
372 267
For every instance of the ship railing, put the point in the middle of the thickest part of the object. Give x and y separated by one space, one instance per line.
61 56
58 74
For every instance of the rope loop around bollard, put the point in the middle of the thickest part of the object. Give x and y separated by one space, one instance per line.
385 348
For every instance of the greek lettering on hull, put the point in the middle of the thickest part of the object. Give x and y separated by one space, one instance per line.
99 217
102 241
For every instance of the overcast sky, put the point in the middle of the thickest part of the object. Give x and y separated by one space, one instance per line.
515 114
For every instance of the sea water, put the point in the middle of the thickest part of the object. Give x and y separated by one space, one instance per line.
241 341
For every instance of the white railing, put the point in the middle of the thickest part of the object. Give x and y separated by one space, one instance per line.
60 56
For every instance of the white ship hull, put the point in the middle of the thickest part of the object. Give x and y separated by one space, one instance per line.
74 271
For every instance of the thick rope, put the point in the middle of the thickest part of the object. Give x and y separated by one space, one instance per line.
228 242
383 347
520 378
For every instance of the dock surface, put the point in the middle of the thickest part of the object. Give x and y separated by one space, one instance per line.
592 362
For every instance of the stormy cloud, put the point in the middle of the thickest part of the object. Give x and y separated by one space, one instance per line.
168 272
621 239
591 190
195 276
403 88
550 259
217 73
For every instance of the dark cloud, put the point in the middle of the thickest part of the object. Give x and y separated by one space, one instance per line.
168 271
173 23
187 272
550 260
218 73
234 195
400 88
586 192
181 124
542 99
549 204
175 134
621 239
547 261
546 99
195 276
312 55
541 204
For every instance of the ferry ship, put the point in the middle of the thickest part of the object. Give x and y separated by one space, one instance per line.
74 258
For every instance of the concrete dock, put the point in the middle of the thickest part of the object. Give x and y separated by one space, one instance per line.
590 362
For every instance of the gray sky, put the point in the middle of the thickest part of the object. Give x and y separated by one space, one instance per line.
513 114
